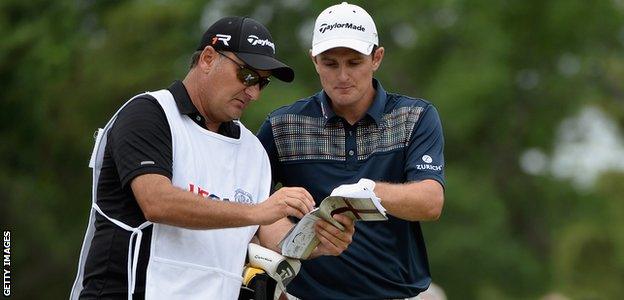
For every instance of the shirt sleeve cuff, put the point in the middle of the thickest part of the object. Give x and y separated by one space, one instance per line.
428 176
142 171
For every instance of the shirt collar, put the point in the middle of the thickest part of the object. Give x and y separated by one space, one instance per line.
186 107
182 98
375 111
326 110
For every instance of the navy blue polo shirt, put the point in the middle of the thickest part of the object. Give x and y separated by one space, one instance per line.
398 140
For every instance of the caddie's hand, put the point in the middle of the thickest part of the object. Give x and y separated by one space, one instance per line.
287 201
333 241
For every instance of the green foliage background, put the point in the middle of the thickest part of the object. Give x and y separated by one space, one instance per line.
66 66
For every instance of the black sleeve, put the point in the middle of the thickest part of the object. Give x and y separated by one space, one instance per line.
140 140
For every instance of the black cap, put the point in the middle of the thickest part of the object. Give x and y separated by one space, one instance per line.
250 41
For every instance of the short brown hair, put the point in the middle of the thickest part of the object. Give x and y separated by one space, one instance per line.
195 58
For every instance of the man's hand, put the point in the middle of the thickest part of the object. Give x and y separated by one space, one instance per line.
333 241
287 201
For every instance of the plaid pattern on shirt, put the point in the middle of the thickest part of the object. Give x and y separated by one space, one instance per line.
299 137
393 132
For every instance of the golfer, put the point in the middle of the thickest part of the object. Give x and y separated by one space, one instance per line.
355 129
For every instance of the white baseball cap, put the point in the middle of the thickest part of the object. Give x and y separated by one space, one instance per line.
344 25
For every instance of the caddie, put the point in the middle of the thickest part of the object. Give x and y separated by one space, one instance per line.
180 185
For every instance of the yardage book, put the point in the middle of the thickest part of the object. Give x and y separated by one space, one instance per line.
353 201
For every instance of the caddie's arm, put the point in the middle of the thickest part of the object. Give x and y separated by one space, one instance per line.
161 202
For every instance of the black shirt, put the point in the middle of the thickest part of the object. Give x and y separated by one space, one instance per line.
139 142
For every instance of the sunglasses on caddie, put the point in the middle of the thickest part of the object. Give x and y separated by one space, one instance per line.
248 76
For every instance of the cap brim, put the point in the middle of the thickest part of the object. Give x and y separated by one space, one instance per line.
278 69
360 46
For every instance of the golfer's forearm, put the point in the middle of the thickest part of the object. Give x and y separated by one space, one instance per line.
270 235
414 201
163 203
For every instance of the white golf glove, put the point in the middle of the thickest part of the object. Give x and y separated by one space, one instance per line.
362 189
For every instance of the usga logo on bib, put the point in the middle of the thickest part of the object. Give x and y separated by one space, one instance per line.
241 196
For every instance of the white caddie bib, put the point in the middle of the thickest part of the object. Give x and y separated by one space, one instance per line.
185 263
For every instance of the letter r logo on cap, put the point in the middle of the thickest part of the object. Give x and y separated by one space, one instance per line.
221 37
